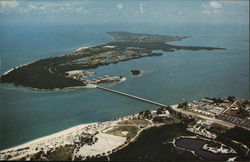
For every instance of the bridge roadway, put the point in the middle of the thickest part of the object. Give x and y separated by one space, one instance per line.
174 107
131 96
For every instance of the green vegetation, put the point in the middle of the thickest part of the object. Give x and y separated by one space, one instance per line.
135 72
183 105
140 37
152 145
61 154
124 131
240 135
128 128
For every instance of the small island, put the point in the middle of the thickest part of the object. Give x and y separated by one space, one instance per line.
74 69
135 72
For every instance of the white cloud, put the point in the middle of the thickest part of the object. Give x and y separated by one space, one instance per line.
38 7
215 4
120 6
141 8
211 8
9 4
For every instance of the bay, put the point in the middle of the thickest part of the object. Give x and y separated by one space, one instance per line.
172 78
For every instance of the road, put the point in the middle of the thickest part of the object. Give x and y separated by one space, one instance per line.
193 114
174 107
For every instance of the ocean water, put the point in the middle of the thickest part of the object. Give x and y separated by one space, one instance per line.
175 77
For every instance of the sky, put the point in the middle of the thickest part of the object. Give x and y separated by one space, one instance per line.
124 11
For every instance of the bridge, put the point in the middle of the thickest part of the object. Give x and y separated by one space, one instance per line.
131 96
173 107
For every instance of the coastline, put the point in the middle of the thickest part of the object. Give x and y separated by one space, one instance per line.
94 139
78 49
22 65
88 86
39 140
61 138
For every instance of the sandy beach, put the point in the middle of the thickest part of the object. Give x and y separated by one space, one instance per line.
53 138
68 137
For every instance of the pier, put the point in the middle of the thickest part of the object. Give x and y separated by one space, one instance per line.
131 96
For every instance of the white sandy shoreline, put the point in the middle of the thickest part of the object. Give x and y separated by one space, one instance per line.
8 71
62 137
78 49
48 137
105 143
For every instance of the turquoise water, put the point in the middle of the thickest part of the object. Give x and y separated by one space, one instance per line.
169 79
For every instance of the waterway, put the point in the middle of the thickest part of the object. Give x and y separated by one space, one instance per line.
169 79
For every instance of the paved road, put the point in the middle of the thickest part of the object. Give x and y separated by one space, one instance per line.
193 114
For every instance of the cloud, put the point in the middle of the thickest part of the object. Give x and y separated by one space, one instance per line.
211 8
8 4
141 8
215 4
119 6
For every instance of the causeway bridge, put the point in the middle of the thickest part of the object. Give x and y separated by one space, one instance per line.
173 107
131 96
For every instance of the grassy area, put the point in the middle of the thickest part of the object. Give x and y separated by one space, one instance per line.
61 154
124 131
128 128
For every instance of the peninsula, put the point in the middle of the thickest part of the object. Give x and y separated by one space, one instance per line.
71 70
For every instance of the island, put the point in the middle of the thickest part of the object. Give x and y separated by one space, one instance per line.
135 72
74 69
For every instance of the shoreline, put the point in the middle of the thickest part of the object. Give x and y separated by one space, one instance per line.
48 137
68 53
88 86
65 132
75 136
22 65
